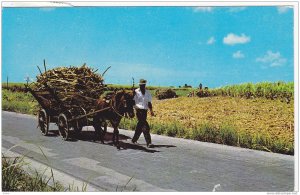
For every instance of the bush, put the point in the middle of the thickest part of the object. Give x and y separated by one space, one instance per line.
165 94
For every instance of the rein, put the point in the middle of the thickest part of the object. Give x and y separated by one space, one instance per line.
116 111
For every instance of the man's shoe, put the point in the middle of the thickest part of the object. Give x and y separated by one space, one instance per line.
150 145
134 142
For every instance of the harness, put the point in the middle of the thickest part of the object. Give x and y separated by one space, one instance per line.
113 107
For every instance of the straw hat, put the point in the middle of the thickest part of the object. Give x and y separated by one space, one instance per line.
142 82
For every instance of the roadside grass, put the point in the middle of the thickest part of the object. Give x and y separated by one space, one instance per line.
18 176
15 178
225 134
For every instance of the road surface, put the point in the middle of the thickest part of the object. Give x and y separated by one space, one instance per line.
173 164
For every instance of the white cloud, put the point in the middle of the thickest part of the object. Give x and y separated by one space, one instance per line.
272 59
236 9
238 55
211 41
283 9
203 9
232 39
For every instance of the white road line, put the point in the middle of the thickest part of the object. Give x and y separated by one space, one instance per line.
217 188
113 179
29 146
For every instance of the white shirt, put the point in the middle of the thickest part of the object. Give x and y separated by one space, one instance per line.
141 101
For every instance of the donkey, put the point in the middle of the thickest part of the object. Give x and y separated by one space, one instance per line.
117 106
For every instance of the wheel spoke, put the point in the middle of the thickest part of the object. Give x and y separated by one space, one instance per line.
63 126
43 122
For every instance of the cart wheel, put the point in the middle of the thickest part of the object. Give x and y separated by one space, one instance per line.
43 120
63 126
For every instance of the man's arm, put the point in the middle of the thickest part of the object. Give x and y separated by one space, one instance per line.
150 108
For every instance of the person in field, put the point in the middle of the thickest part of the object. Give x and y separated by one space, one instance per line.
143 103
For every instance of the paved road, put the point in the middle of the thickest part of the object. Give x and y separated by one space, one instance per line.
172 165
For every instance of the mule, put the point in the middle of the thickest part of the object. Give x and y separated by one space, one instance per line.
119 104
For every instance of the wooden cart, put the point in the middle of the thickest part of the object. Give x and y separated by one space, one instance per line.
67 117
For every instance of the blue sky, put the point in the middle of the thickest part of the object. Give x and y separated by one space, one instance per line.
168 46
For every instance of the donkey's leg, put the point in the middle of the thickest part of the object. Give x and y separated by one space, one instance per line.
116 133
113 137
99 133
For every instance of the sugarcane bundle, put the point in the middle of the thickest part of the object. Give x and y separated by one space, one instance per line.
165 94
79 86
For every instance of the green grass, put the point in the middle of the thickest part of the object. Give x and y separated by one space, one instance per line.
19 87
4 84
184 91
179 91
115 86
18 102
14 178
269 90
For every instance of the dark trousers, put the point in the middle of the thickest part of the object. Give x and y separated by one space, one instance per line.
142 126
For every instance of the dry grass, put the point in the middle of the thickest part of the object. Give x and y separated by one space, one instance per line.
272 117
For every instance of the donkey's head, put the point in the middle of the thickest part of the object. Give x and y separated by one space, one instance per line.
126 102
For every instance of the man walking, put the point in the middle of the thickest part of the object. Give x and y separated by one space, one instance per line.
143 100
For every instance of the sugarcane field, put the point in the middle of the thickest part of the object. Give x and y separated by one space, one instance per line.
134 98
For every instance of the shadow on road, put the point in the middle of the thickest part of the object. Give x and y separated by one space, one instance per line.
125 146
163 146
86 136
90 137
53 133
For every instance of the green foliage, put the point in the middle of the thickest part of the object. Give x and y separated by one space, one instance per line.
276 90
15 178
18 102
183 91
18 87
112 87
